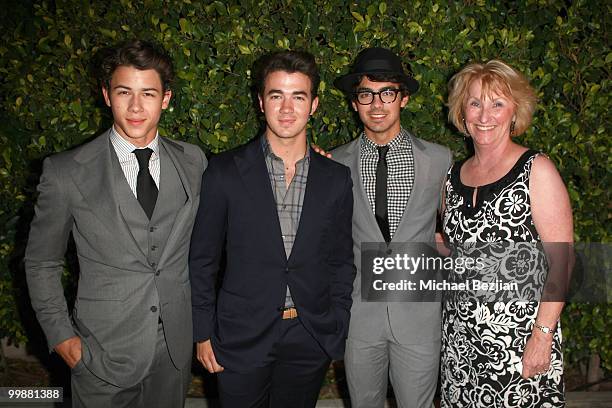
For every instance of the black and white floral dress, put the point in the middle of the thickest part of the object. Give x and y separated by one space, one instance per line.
482 342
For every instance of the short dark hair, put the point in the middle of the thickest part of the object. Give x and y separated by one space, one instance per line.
140 55
381 77
288 61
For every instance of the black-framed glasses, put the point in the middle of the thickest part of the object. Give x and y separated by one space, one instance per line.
388 95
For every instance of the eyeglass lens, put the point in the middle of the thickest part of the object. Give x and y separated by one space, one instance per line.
386 96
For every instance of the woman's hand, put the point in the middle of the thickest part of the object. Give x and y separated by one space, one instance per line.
537 354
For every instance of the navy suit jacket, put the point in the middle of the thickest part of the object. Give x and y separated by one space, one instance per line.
237 216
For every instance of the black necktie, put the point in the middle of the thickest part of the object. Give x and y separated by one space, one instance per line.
382 217
146 190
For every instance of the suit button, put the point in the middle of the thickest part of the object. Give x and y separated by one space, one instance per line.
152 229
157 273
389 251
287 270
154 309
153 248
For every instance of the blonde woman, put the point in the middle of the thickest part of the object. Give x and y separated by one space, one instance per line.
503 354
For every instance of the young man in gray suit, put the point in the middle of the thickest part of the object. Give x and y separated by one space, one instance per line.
397 180
129 198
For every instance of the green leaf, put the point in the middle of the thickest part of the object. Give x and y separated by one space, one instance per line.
108 33
220 7
574 129
6 155
357 16
184 24
244 49
76 108
382 8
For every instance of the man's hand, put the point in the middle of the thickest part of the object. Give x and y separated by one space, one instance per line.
322 152
441 245
70 350
206 356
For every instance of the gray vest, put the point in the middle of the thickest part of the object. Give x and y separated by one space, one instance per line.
151 235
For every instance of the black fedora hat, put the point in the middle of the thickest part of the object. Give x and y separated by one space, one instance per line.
376 60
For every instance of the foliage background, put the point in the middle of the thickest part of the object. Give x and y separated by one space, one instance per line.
50 101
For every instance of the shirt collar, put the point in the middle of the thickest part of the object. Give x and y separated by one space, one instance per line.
267 150
124 148
402 138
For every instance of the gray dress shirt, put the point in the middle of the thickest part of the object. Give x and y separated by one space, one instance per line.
289 200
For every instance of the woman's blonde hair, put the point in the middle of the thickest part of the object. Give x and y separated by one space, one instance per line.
496 76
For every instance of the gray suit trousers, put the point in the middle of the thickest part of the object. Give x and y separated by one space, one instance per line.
412 368
163 386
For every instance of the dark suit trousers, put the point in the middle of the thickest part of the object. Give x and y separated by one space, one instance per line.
291 377
164 386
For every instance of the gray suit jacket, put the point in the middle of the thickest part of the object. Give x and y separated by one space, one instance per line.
120 294
411 323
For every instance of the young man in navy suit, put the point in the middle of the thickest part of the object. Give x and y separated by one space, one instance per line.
281 215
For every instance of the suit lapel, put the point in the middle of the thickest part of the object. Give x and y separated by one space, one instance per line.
362 208
94 178
254 173
315 189
421 171
188 174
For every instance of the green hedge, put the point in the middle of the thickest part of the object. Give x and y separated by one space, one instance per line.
50 102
